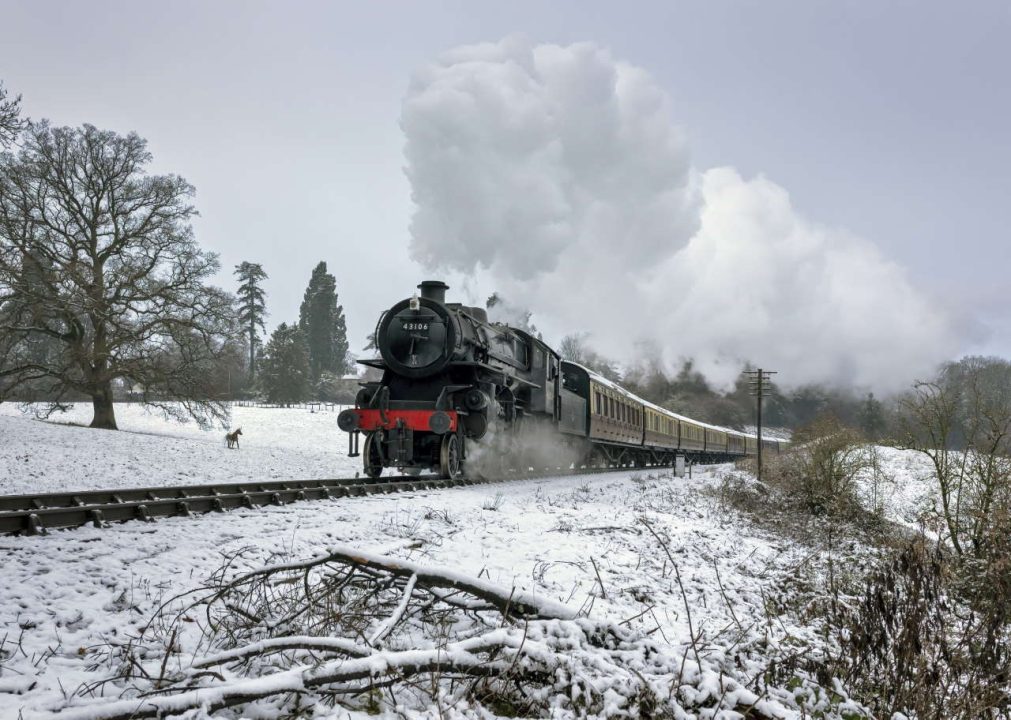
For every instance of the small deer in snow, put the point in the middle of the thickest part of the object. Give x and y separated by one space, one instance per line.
232 439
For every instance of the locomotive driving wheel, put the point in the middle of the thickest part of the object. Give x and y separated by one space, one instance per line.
450 460
373 460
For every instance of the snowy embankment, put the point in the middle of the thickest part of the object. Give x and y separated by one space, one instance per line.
903 486
586 542
276 444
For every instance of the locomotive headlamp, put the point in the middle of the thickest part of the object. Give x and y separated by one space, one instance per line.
439 423
415 302
347 420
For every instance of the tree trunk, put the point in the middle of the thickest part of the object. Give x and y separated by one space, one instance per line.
105 412
252 351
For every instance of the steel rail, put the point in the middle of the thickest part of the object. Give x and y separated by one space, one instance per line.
36 514
69 499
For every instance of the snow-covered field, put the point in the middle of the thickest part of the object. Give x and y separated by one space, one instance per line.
65 596
276 444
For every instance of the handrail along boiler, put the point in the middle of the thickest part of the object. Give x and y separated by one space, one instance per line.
459 390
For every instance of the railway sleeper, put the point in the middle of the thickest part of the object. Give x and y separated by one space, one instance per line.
97 518
35 526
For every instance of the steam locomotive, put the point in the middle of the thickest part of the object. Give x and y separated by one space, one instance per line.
459 393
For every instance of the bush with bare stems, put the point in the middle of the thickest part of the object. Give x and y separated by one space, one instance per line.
819 474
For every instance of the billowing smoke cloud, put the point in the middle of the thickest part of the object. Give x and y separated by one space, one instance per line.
521 156
558 177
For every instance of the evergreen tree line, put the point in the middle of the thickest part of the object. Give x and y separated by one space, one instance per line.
301 360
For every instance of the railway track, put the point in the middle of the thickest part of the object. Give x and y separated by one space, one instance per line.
37 514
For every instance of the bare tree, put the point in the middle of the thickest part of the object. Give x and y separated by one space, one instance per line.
573 347
961 420
99 268
11 122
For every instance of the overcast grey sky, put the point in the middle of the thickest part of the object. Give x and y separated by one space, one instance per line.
890 120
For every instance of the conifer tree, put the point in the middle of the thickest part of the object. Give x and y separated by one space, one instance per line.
321 321
872 418
284 372
252 307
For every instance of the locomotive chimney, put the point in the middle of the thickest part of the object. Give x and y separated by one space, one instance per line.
434 290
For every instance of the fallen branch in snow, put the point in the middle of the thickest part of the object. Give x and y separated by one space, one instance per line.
460 659
340 626
445 578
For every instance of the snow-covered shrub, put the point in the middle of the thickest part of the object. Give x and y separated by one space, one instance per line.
821 469
915 644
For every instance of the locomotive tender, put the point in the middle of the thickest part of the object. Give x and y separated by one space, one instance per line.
459 391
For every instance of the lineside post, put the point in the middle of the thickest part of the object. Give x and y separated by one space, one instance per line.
760 381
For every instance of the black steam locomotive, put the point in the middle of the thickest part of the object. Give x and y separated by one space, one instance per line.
460 391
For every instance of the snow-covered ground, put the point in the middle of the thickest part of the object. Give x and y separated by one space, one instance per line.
66 595
903 486
276 444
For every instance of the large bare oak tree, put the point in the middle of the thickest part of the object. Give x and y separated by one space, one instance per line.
100 277
10 117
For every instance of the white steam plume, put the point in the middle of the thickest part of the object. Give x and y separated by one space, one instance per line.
557 176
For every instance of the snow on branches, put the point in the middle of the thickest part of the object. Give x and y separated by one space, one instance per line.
361 631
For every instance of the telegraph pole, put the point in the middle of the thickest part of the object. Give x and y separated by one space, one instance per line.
759 380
